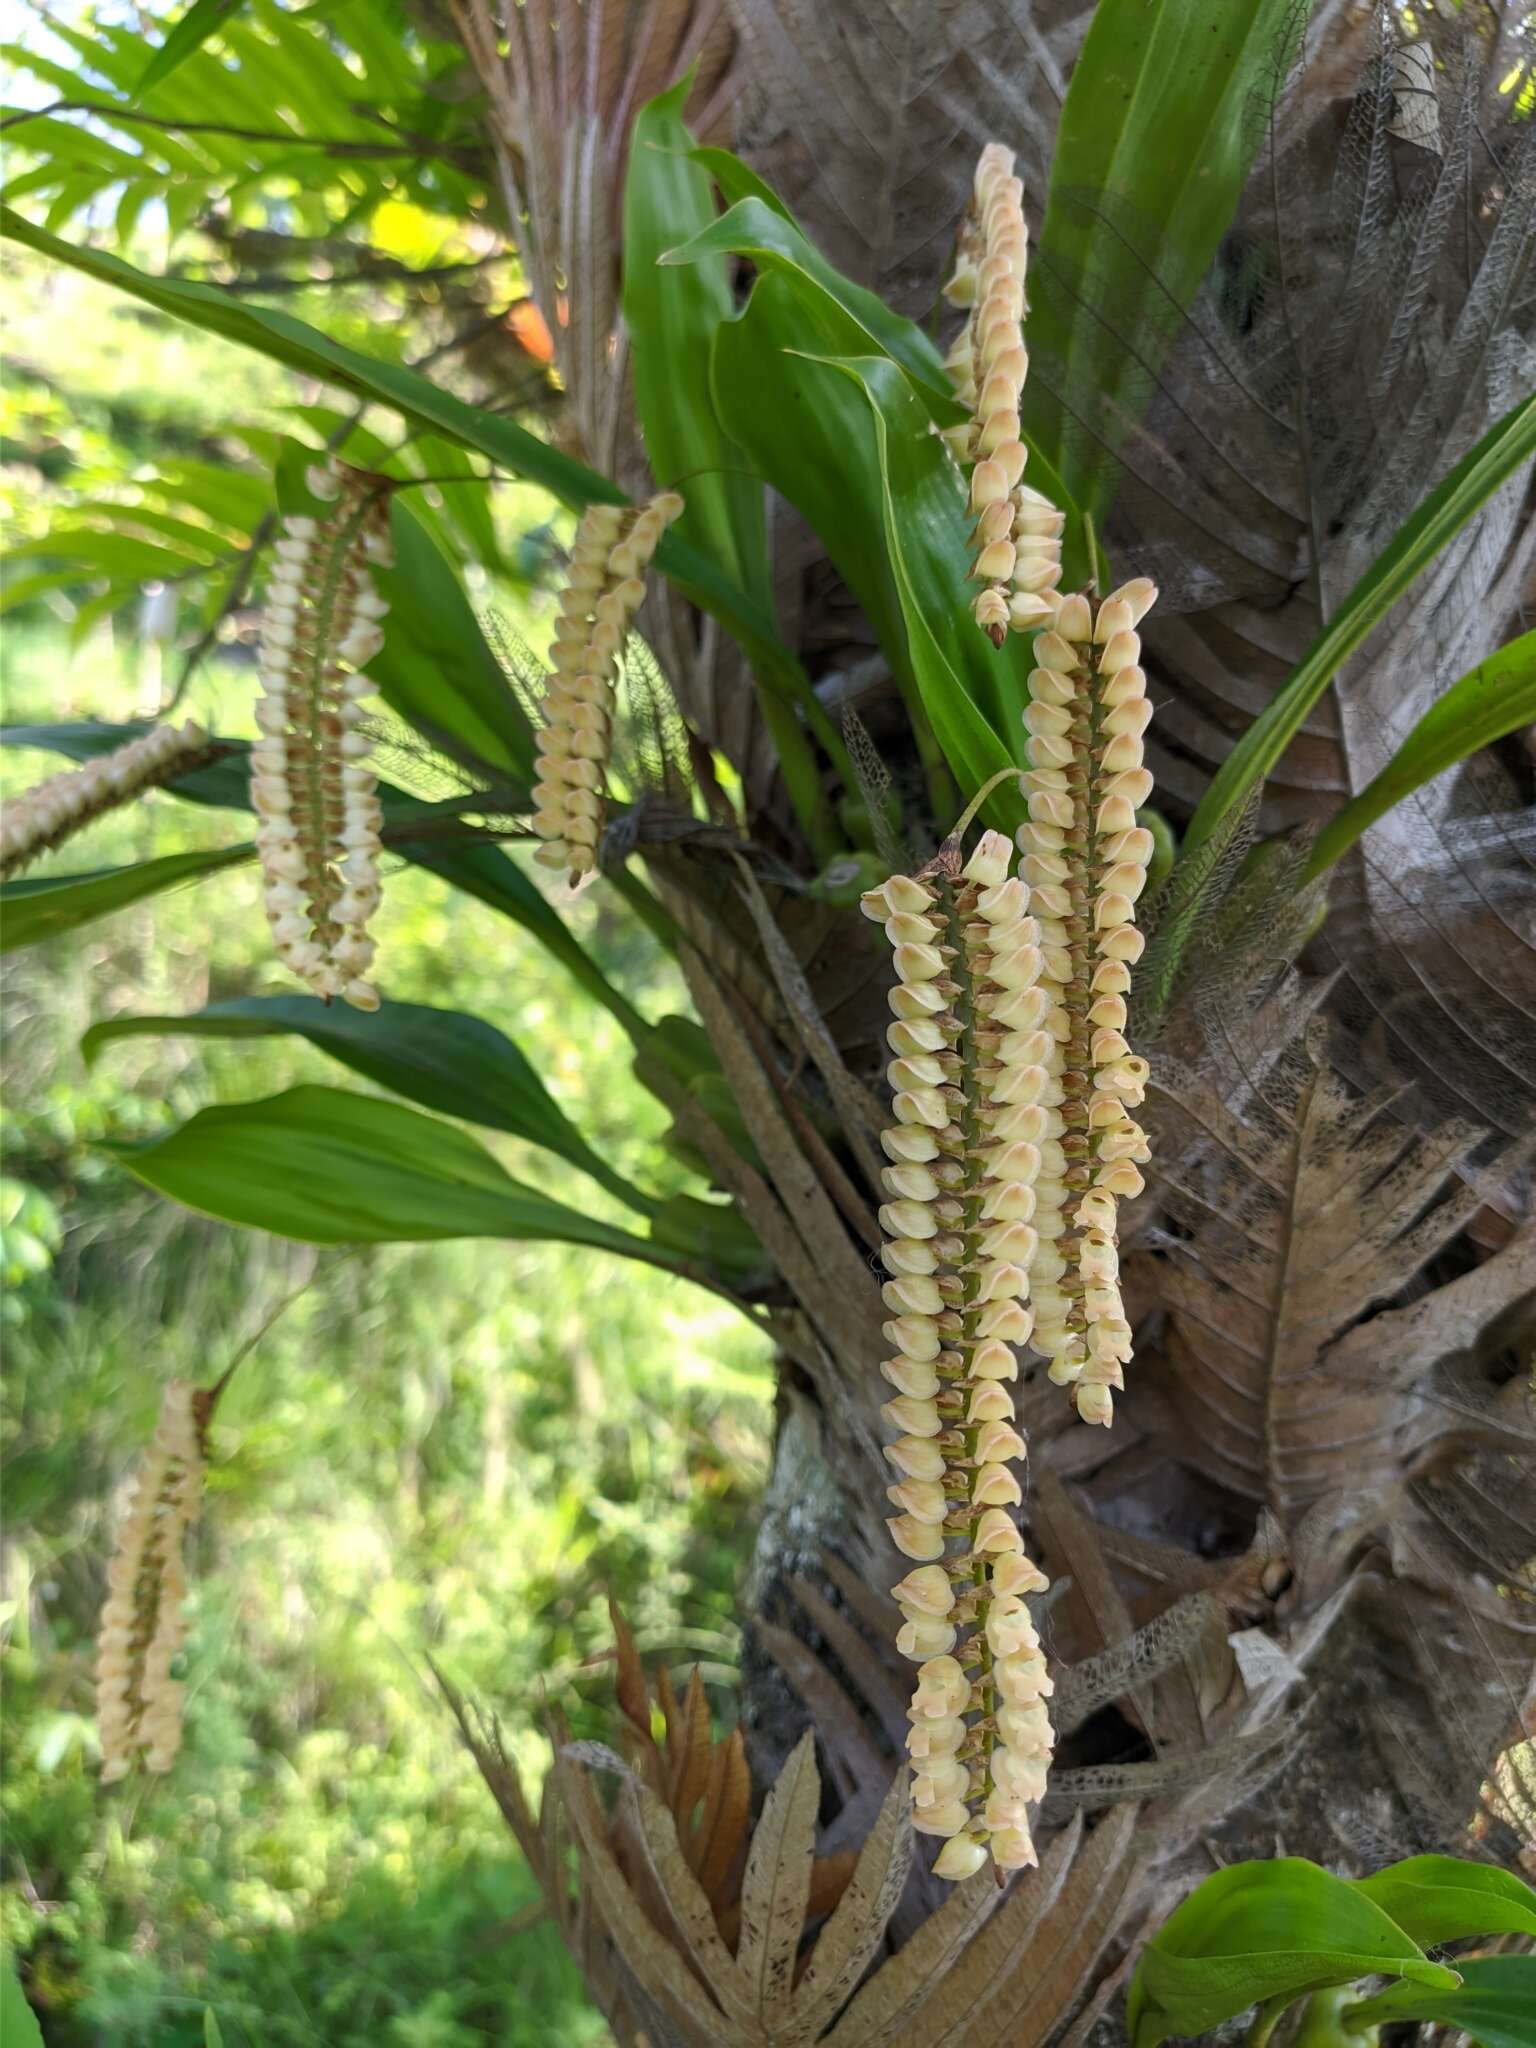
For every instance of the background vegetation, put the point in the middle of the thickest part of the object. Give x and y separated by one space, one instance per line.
457 1448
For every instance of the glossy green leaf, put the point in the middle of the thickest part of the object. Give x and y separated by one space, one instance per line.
1495 2003
436 669
777 361
1495 698
212 2036
754 228
44 908
672 313
738 180
1258 1931
286 340
457 1065
827 468
18 2022
922 510
201 20
1504 449
329 1167
1446 1898
1154 145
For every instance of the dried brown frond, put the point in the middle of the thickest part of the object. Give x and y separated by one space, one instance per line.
1296 1206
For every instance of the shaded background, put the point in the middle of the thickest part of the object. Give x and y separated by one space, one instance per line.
459 1449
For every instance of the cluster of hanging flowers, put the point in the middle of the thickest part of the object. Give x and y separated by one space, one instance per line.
312 785
44 817
138 1702
1017 537
969 1150
1085 861
603 591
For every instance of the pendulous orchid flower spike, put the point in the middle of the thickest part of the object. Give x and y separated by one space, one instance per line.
970 1069
312 785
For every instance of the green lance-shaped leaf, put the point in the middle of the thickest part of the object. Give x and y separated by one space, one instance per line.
442 1059
672 313
18 2023
435 668
202 19
754 228
772 364
329 1167
1495 2003
415 398
1259 1931
1446 1898
1504 449
1158 120
920 509
739 181
1495 698
47 906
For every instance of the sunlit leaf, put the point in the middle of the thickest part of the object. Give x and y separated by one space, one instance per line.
672 313
201 20
1257 1931
442 1059
753 228
1495 2003
1158 118
18 2023
1446 1898
329 1167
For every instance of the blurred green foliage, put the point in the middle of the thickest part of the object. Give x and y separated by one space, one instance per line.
456 1449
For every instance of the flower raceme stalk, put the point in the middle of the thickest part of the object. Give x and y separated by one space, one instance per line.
612 549
970 1072
138 1703
1085 862
44 817
1017 536
311 783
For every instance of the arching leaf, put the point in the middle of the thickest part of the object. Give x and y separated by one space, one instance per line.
47 906
329 1167
458 1065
